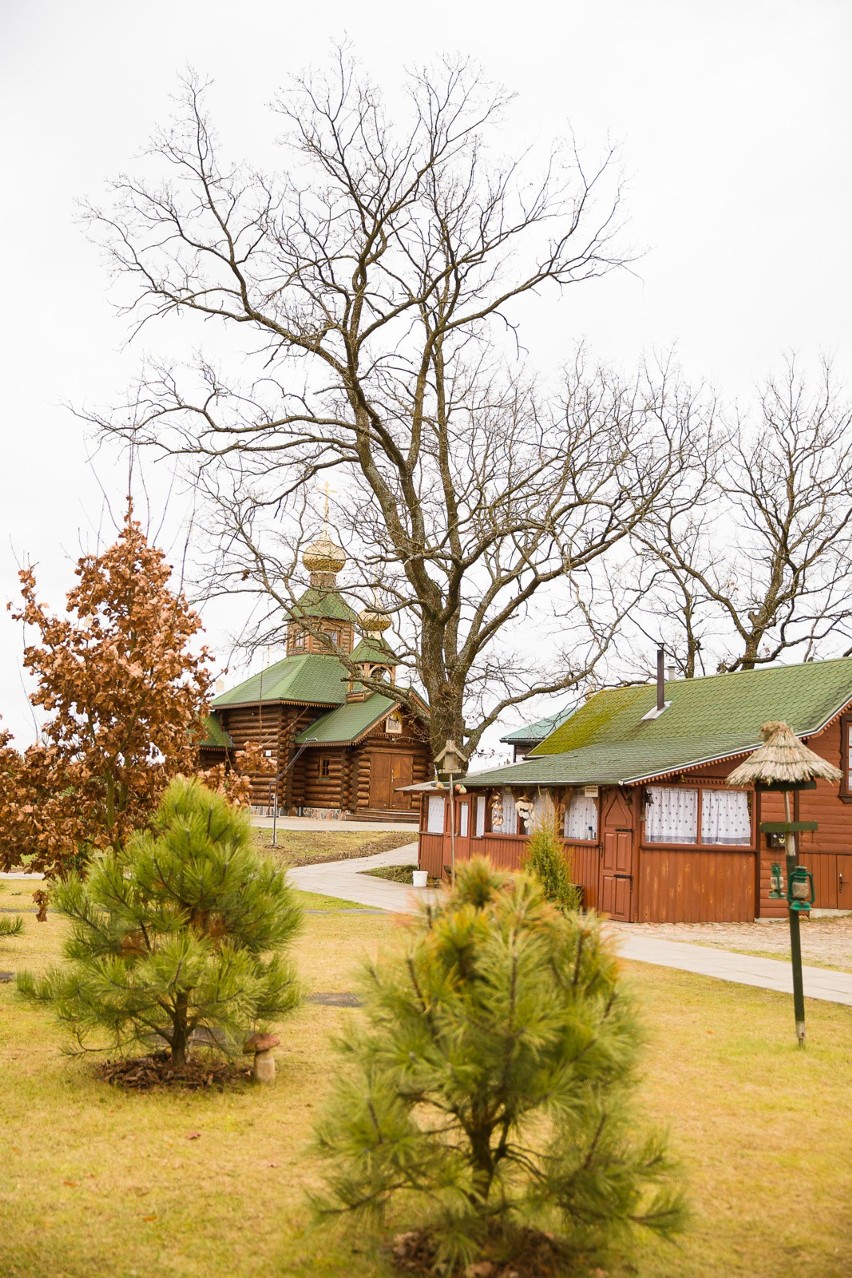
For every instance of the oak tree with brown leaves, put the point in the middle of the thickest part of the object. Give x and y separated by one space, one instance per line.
124 694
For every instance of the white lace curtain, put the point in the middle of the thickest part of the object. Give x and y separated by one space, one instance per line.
435 814
671 815
510 813
581 818
725 817
480 815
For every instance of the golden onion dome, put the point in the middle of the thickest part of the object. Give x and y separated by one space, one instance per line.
323 555
372 622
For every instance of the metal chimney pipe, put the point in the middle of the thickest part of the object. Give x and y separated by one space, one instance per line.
661 678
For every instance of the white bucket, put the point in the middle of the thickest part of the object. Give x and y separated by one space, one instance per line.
420 877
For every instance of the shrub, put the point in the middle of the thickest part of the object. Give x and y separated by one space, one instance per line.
550 867
181 931
490 1086
12 927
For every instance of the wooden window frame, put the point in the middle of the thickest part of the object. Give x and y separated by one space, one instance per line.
324 765
563 806
845 791
698 845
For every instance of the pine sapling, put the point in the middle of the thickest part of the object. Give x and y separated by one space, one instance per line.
489 1088
549 865
182 931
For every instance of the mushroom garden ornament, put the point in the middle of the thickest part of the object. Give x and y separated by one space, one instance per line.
264 1061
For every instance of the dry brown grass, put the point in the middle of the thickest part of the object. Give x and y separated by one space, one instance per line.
310 847
202 1185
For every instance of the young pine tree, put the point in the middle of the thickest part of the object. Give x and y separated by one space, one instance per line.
183 929
490 1086
546 862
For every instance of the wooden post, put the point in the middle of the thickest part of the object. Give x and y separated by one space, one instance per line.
452 835
795 936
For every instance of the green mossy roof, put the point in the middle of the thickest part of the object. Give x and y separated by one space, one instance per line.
215 735
327 604
309 679
607 742
347 723
540 729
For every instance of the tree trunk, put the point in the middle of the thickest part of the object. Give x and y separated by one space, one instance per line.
180 1031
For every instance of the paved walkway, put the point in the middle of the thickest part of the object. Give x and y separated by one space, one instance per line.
342 879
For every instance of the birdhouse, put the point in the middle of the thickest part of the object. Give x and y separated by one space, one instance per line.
451 762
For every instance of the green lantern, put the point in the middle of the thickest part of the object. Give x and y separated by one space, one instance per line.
776 888
800 889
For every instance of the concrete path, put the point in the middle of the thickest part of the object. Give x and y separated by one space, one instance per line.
342 879
745 969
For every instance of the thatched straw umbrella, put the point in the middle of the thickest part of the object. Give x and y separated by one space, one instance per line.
783 762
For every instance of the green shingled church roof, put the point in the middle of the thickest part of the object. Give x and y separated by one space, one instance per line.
373 650
347 723
215 736
607 741
309 678
326 604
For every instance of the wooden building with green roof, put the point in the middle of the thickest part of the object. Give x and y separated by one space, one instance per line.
635 779
333 747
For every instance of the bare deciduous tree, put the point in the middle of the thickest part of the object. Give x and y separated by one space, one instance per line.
761 566
380 284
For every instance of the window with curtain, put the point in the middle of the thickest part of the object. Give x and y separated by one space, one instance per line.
581 818
464 818
510 813
480 816
435 815
725 817
671 815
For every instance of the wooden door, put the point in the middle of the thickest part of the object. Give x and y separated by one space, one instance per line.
844 882
463 820
388 772
616 882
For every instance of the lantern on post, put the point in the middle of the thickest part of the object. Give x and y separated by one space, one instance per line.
776 885
784 763
452 762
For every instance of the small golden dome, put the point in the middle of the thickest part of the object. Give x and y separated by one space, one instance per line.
373 622
323 555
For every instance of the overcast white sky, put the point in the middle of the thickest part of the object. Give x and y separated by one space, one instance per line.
732 119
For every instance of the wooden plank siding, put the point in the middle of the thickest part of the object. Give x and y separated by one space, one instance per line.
695 886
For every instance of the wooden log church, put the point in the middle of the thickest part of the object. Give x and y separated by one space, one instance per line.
635 778
333 747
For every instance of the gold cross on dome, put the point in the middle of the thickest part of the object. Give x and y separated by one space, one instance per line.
326 489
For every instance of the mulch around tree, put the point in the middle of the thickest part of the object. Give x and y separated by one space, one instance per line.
145 1073
538 1255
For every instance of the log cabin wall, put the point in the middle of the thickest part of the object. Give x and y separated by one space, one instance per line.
827 851
274 727
319 774
366 765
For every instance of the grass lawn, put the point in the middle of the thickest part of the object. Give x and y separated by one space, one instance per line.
310 847
101 1182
